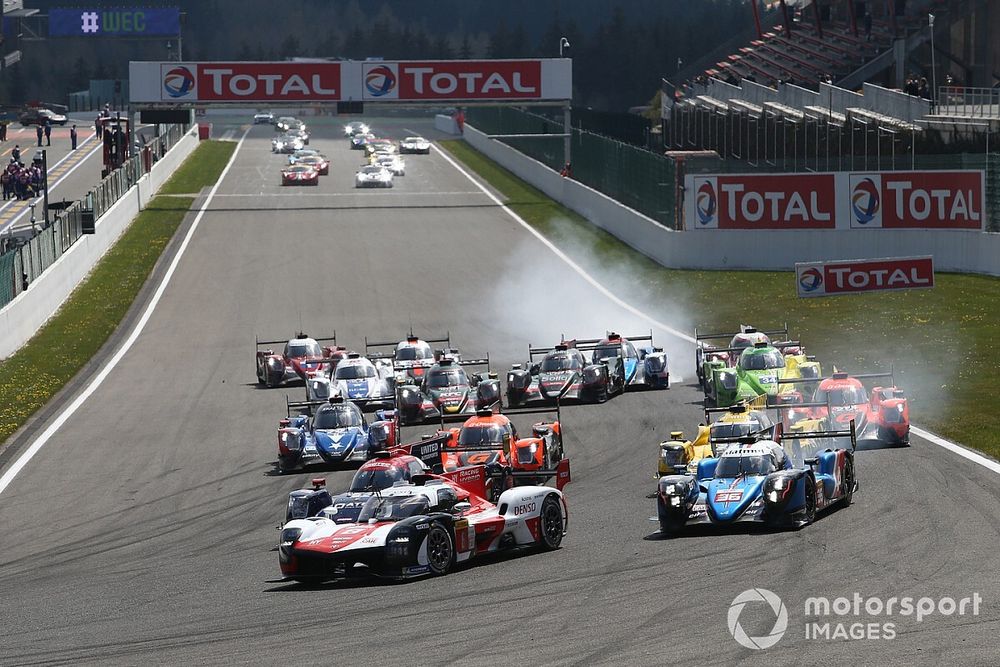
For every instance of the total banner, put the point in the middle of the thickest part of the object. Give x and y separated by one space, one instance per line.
837 200
177 84
863 275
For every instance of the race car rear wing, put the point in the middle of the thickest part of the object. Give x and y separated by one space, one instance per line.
309 406
393 343
774 432
591 343
427 450
778 346
860 376
851 432
743 329
258 342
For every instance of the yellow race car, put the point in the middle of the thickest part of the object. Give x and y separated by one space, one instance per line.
747 419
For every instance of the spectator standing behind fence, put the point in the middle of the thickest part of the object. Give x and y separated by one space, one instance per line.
39 131
72 137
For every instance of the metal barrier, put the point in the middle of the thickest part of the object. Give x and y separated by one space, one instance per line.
23 261
965 102
638 178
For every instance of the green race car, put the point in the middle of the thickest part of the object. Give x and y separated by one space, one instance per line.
757 373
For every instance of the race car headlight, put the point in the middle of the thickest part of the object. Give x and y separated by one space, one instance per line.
593 374
289 536
675 501
728 380
298 508
655 364
779 484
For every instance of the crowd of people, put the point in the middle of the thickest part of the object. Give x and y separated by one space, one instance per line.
21 181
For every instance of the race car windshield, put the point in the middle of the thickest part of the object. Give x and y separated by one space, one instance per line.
354 372
377 479
414 353
607 352
733 466
487 434
842 396
393 508
762 360
338 416
371 170
560 362
455 377
733 430
303 349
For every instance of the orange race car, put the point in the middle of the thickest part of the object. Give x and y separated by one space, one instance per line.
490 439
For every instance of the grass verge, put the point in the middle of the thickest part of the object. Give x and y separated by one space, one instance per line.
211 157
33 375
942 343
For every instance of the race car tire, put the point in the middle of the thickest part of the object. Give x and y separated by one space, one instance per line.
809 511
440 549
848 481
550 524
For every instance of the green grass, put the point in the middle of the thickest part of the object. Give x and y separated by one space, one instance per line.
212 157
33 374
942 343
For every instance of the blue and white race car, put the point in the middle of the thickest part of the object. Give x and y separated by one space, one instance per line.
335 432
645 367
758 482
358 379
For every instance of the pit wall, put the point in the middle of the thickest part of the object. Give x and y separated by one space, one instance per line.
954 251
23 317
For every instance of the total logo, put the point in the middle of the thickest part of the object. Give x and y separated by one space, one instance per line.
866 200
381 82
706 202
811 279
179 82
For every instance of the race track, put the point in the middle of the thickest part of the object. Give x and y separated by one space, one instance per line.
142 531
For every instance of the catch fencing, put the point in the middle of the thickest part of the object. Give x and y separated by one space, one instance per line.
638 178
24 261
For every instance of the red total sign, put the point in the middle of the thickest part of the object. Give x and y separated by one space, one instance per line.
848 277
454 80
806 201
255 82
933 200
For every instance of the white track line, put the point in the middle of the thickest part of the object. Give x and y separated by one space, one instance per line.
956 448
561 255
126 346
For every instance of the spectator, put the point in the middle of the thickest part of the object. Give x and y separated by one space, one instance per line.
5 182
923 90
15 155
48 132
72 137
460 121
868 23
97 128
24 281
39 131
3 131
567 171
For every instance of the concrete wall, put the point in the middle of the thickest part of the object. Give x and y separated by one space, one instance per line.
959 251
446 124
21 318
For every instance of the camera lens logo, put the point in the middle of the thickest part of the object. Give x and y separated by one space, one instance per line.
178 82
865 201
706 203
380 81
811 280
780 621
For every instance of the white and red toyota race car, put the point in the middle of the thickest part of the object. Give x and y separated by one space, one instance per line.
424 527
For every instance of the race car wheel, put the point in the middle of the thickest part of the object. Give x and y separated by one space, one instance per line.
551 526
848 481
440 549
809 511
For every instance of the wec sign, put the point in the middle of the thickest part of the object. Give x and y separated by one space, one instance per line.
839 200
179 84
863 275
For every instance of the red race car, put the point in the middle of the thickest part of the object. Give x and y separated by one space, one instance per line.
301 358
300 174
882 417
490 439
318 162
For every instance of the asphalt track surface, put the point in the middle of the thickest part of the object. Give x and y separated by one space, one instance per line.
142 532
